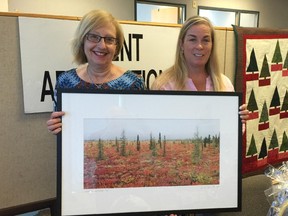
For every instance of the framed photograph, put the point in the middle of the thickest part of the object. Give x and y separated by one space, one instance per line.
148 152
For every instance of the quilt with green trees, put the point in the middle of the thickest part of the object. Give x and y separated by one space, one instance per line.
262 76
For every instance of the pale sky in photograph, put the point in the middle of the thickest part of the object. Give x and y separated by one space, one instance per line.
171 128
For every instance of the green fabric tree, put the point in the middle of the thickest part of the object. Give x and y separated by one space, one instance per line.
252 67
263 151
284 145
264 114
286 61
277 57
252 104
275 99
265 69
252 147
285 102
274 141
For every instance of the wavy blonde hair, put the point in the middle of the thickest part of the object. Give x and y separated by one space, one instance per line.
91 20
178 73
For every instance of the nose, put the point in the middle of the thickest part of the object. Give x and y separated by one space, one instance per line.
101 43
199 45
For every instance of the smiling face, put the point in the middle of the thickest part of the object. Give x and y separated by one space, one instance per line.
101 54
197 45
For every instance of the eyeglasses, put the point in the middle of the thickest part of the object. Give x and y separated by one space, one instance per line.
97 38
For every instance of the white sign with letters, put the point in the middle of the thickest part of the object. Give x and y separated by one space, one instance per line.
46 51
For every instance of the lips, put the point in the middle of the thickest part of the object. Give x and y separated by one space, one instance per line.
99 53
198 55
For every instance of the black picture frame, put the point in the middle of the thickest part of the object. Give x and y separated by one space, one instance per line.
170 115
47 206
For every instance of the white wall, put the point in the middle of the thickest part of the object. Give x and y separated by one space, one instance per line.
4 5
272 13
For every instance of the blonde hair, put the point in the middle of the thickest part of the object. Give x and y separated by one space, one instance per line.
91 20
178 73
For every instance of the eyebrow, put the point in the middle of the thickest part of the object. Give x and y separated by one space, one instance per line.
107 35
192 35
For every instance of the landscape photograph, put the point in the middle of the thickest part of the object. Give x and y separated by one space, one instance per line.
124 153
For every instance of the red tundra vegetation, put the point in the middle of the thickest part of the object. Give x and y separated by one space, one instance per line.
166 163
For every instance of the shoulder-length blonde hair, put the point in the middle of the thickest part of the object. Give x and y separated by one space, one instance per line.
91 20
178 73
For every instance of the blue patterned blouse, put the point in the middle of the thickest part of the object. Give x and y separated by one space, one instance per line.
128 81
70 80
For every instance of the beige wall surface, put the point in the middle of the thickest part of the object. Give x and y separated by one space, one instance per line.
230 58
121 9
272 13
4 5
28 150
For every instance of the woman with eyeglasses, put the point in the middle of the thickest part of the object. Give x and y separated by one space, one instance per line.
97 42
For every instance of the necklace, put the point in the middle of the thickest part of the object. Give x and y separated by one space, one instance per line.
95 84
